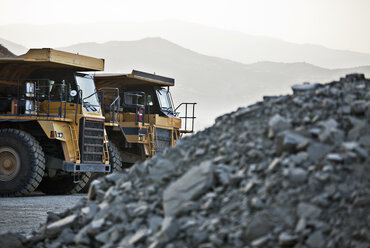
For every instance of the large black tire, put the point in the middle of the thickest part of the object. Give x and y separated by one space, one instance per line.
22 163
115 159
115 162
64 184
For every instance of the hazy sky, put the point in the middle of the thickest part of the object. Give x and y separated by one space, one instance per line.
342 24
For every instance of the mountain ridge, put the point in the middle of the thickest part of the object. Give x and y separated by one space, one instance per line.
229 44
5 53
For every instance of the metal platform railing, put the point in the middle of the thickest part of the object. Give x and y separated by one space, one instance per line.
18 101
186 118
114 103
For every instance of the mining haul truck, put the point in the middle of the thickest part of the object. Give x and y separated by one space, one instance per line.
52 134
140 117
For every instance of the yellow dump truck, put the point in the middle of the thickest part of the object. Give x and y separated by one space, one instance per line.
52 134
140 117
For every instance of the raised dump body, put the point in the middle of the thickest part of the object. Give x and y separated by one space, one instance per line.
52 133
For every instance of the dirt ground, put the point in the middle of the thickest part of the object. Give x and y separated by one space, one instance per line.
25 214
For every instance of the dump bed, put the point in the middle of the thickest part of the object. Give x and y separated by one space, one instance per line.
47 58
135 78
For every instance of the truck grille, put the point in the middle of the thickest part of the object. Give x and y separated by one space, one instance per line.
162 139
91 140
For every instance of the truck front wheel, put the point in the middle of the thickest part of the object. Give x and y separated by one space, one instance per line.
22 163
64 184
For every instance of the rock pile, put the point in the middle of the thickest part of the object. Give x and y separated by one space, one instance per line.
291 171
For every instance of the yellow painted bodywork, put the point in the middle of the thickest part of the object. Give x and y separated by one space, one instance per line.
62 117
135 80
69 150
152 121
68 126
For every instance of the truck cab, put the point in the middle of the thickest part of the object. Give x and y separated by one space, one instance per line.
140 116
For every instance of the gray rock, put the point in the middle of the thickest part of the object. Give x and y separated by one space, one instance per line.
215 240
278 123
301 225
139 235
260 242
286 239
330 133
359 107
317 151
316 240
82 238
305 87
335 157
256 203
59 225
66 237
103 237
200 151
308 211
96 224
52 217
360 129
273 164
346 110
10 240
290 141
362 201
169 229
259 225
161 170
349 146
365 140
195 182
155 223
200 237
90 210
297 175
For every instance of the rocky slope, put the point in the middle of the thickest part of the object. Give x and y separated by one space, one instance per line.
291 171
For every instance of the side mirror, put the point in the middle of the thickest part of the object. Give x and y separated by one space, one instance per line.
73 93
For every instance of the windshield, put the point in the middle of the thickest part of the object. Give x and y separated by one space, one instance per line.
165 100
89 95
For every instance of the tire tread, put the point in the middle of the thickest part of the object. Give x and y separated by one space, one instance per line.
37 157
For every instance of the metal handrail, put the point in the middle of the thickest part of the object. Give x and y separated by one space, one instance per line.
114 107
37 101
186 117
79 97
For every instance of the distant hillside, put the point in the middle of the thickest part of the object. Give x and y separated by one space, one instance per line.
218 85
227 44
5 53
13 47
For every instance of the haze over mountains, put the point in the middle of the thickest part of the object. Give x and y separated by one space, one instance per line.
231 45
5 53
14 47
218 85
